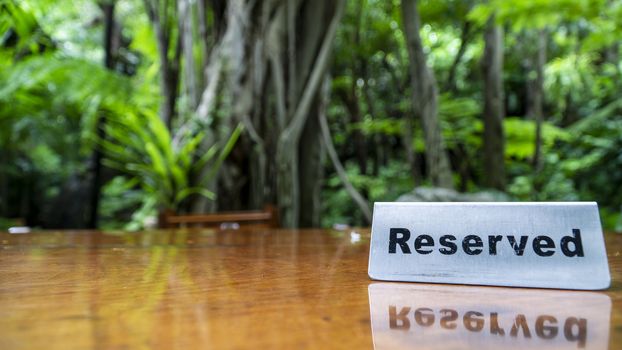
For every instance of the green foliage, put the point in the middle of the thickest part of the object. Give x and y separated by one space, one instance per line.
521 135
142 146
582 164
54 90
580 133
119 194
569 80
6 223
21 30
393 180
593 157
48 106
370 126
536 13
461 121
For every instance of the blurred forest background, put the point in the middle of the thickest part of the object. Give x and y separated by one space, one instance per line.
111 111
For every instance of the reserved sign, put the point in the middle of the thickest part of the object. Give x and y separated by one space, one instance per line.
544 245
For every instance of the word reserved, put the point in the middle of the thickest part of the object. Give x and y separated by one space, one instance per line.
473 244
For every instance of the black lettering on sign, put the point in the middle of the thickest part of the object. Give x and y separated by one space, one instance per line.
472 241
542 245
492 244
395 240
543 242
576 242
519 249
424 241
449 246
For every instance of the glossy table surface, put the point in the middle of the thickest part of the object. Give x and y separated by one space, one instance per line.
272 289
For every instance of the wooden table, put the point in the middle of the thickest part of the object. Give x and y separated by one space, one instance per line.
255 289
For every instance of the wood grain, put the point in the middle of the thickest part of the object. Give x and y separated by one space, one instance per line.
200 288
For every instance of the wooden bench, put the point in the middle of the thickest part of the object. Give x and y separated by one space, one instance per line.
266 218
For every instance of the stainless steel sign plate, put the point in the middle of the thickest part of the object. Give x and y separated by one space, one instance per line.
542 245
461 317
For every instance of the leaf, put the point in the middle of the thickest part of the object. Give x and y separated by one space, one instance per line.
162 137
206 157
158 165
223 154
183 194
179 177
186 152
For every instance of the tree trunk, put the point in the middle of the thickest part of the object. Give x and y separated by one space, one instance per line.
351 102
272 56
356 65
425 99
233 81
186 35
260 157
409 127
494 141
537 98
166 36
309 44
4 183
109 50
168 86
411 156
612 54
199 89
288 186
109 62
450 84
379 140
258 184
311 164
341 172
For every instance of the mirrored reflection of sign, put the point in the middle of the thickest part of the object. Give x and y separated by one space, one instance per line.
460 317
